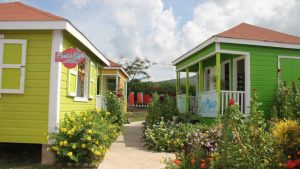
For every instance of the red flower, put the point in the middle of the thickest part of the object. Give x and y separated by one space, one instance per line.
177 162
293 163
298 153
193 161
203 165
231 102
119 94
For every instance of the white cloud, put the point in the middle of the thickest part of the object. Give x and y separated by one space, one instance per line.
137 28
212 17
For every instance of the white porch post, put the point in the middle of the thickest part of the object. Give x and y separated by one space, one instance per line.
247 83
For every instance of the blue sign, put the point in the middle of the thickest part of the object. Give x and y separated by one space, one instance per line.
208 105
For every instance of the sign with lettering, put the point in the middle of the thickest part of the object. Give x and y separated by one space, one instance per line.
70 57
208 105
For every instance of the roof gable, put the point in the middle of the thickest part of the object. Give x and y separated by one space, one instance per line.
251 32
17 11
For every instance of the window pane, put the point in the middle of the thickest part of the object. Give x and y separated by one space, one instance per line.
111 84
81 80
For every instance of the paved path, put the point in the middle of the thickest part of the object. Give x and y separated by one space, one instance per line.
127 152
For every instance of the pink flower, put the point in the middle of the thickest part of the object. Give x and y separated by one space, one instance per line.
231 102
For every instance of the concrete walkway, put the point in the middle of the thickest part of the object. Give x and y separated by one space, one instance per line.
127 152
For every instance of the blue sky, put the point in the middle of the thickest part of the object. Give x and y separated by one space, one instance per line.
162 30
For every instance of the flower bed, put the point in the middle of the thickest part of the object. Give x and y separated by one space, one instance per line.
242 143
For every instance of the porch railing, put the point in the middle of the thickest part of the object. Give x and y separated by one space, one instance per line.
206 103
193 104
237 96
100 102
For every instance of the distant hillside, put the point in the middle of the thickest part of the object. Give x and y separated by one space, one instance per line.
182 80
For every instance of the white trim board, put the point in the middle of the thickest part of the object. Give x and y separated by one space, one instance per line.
216 39
55 80
53 25
14 66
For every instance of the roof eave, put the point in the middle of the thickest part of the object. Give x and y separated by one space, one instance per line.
117 68
194 50
54 25
216 39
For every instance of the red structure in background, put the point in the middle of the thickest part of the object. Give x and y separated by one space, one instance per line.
139 98
131 99
147 99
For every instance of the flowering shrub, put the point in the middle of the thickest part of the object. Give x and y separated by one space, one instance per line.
161 107
244 143
286 102
198 150
83 137
168 136
115 105
287 141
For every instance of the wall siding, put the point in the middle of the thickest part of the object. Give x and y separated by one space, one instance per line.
24 117
263 65
67 103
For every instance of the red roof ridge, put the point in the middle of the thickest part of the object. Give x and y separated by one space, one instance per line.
39 11
114 64
252 32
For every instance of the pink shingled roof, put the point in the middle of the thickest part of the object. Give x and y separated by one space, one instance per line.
251 32
17 11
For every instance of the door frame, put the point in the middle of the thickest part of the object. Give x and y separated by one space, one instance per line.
234 61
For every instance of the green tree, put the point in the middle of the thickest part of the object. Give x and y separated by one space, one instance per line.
137 69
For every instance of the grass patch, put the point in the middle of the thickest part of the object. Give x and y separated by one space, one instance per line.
203 120
138 116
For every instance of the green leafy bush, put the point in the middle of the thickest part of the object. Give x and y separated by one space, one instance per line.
287 140
244 143
83 137
286 102
115 105
161 107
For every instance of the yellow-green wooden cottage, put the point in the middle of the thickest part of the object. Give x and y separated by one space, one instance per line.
35 90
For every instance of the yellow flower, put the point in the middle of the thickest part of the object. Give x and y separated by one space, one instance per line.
97 142
89 138
74 146
107 113
63 130
55 148
89 131
83 145
69 133
65 143
70 153
97 153
61 143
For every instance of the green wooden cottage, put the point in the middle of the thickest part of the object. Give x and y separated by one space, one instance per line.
36 90
233 63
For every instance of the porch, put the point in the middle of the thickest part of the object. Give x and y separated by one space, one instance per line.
219 78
